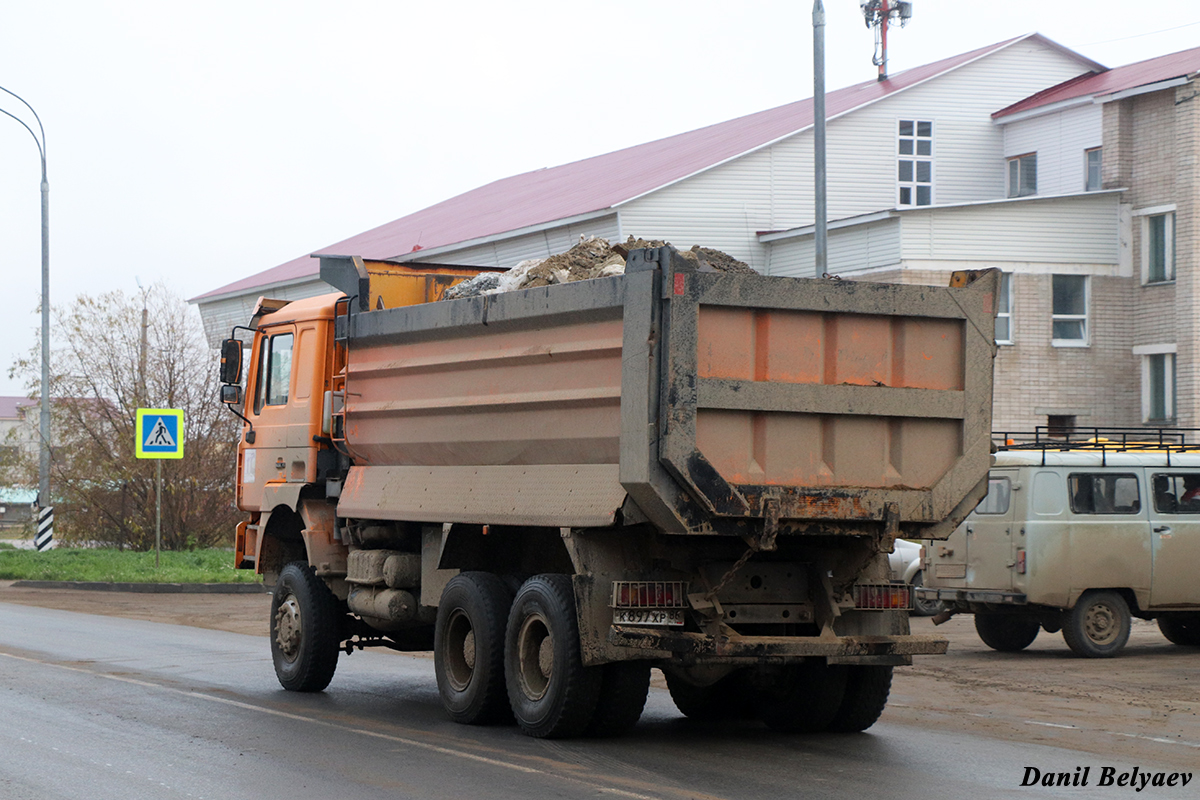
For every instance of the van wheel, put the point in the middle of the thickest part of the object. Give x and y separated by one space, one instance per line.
806 699
732 697
1098 625
305 630
924 608
468 648
624 686
552 694
1007 633
1181 629
867 690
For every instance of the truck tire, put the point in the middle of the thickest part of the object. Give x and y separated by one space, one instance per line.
924 608
806 698
553 696
306 628
1098 626
624 686
730 698
1008 633
867 690
1181 629
468 648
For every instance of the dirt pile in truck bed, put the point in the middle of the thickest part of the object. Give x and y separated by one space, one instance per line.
593 257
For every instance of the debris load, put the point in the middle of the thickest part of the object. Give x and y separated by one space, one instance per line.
593 257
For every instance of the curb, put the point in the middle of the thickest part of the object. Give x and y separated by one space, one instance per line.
148 588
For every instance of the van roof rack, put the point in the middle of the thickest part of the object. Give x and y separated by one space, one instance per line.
1047 438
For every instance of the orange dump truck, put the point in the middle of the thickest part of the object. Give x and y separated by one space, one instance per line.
557 489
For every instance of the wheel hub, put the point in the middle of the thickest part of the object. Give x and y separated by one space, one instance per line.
460 650
535 652
287 627
1100 624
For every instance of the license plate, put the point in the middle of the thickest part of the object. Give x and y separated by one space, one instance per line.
647 616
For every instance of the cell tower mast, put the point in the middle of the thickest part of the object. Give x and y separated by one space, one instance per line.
880 14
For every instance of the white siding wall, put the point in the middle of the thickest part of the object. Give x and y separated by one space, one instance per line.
1059 139
772 189
1080 229
510 252
872 246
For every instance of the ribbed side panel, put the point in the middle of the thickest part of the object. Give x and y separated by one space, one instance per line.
850 249
1059 140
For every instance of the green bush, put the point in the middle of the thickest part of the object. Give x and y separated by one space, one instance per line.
122 566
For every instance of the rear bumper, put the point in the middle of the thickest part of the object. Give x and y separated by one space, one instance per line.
705 647
967 596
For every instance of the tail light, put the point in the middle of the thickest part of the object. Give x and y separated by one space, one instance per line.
882 596
649 594
1021 561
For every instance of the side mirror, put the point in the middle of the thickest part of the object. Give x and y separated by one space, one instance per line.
231 363
231 394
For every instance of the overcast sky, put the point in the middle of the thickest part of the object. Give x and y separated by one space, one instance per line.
198 143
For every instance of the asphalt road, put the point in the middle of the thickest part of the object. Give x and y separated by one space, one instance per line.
99 707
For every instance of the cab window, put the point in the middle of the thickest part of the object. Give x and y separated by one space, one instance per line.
1176 493
1104 493
998 497
274 372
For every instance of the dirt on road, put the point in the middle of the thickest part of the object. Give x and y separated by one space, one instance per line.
1141 706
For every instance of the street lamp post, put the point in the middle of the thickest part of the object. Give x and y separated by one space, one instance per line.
44 454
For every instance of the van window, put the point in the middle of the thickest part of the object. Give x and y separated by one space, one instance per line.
1177 493
998 497
1047 494
1104 493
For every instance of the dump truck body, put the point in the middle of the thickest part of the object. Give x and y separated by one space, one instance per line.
717 464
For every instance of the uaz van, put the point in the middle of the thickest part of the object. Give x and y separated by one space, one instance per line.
1077 540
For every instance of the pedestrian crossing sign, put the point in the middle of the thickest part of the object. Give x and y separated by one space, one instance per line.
159 433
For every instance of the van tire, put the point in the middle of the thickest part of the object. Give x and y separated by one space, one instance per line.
553 696
468 648
867 690
1008 633
924 608
1098 626
1181 629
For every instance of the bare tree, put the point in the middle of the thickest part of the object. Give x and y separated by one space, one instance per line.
103 493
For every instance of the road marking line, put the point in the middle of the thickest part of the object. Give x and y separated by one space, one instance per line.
1156 739
376 734
1052 725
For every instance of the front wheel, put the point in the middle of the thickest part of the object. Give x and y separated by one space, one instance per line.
306 626
1007 633
552 694
1181 629
1098 626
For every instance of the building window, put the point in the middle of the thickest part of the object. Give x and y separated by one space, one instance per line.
1022 175
1060 426
1069 310
915 162
1093 181
1159 235
1004 332
1158 386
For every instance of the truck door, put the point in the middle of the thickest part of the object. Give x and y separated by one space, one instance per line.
1174 537
265 460
989 535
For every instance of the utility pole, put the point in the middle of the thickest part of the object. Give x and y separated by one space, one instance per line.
821 233
44 499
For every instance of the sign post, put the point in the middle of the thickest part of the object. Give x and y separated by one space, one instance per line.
159 435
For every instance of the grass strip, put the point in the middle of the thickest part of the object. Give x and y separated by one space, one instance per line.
122 566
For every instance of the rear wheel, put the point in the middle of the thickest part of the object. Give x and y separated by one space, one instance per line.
468 648
551 693
805 698
1007 633
732 697
1098 626
623 689
1182 629
306 628
867 690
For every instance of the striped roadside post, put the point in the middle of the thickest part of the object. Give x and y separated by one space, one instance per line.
45 529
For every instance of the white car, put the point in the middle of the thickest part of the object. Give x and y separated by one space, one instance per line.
905 562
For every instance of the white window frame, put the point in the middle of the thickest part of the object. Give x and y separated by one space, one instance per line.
1147 352
1087 169
914 157
1146 215
1006 292
1087 304
1008 174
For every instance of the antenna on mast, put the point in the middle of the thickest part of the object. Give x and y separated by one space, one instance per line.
880 14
